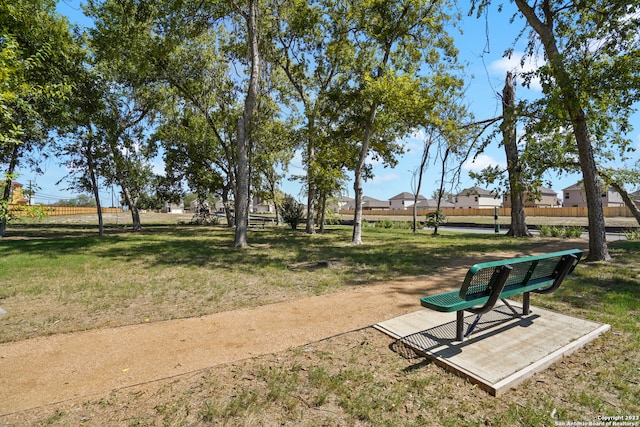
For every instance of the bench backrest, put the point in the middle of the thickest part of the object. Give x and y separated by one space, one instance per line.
540 273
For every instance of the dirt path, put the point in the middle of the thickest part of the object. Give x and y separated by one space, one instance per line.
47 370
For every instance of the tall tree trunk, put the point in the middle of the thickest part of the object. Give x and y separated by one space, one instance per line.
629 203
443 173
227 207
323 211
96 196
421 169
356 238
518 226
94 185
311 185
132 203
598 250
242 188
6 196
244 130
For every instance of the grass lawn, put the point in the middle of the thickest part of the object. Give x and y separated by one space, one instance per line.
57 277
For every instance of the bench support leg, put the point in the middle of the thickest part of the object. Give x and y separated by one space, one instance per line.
525 304
460 325
473 325
513 310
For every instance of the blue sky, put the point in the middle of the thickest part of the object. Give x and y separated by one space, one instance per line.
481 45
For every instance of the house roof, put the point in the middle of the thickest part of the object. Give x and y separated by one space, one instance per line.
371 202
14 184
433 204
407 196
548 191
476 191
580 186
576 186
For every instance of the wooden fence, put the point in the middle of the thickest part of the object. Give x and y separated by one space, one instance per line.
609 212
70 210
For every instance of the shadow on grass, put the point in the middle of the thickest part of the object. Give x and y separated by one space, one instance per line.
609 291
385 253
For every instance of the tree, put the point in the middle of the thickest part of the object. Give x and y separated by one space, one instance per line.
79 144
82 200
193 155
618 179
123 134
271 154
572 106
245 122
390 39
442 127
590 82
36 52
518 226
312 49
292 212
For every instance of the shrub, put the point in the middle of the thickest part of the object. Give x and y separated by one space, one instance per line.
573 231
292 212
435 219
556 231
332 218
632 234
385 223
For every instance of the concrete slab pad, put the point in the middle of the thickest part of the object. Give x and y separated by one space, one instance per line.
503 350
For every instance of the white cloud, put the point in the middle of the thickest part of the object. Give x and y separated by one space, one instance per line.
414 142
481 162
383 179
515 64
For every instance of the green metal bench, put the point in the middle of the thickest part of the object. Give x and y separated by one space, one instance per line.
487 282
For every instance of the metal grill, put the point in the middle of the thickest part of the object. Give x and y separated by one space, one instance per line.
480 283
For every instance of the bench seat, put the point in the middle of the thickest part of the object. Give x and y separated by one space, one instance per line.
451 301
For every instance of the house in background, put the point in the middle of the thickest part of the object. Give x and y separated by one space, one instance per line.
258 205
173 208
404 201
369 203
635 196
432 204
547 198
575 197
17 195
476 197
343 203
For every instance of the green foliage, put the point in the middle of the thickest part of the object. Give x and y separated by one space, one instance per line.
331 217
292 212
560 231
390 224
385 223
83 200
436 219
632 234
37 54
